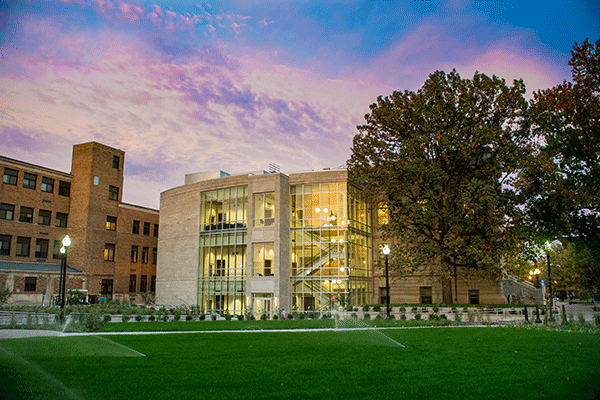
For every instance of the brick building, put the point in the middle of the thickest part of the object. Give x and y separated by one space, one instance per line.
114 244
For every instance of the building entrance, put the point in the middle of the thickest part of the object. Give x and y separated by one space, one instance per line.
263 305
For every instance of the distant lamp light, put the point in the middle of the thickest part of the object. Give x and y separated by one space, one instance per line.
385 250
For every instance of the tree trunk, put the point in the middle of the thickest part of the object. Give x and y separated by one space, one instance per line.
447 291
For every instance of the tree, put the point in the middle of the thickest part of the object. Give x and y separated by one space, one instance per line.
444 157
561 181
574 267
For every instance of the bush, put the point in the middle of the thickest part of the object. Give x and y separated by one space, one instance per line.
403 317
138 318
417 316
189 317
227 316
5 295
581 319
213 317
597 319
151 318
353 316
125 317
326 315
263 316
202 317
240 317
436 308
177 315
107 318
164 317
402 309
367 317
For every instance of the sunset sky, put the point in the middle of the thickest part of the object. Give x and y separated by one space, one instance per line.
186 86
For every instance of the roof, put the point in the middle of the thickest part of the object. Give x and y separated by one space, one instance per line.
9 265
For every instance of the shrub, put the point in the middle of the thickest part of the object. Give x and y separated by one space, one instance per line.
376 308
581 319
93 319
367 317
151 318
403 317
164 317
107 318
436 308
458 317
5 295
125 317
213 317
597 319
417 316
443 316
433 317
177 315
227 316
240 317
353 316
312 315
202 317
138 318
189 317
326 315
263 316
13 322
402 309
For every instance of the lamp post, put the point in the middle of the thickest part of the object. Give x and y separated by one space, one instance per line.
548 248
63 250
386 253
535 273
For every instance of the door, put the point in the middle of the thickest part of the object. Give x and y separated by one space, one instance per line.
263 306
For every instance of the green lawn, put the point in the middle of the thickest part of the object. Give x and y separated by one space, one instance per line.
448 363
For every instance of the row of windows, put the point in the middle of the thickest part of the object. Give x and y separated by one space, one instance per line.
146 232
143 283
111 225
7 212
145 253
23 247
109 253
11 177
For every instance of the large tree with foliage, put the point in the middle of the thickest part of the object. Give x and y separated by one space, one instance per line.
444 157
561 182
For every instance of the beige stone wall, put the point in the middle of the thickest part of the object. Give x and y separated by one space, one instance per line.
178 245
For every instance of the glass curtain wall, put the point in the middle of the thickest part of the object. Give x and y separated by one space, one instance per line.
330 247
223 241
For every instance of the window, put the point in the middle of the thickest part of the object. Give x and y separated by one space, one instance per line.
134 254
29 181
5 245
144 255
113 193
10 176
426 294
23 246
56 249
153 283
7 211
64 188
115 162
155 230
383 215
147 228
109 252
44 217
47 185
61 220
96 181
473 296
111 223
132 283
383 295
26 214
264 254
154 255
143 283
136 227
41 248
264 209
30 283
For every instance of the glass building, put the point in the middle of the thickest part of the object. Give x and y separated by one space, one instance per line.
265 242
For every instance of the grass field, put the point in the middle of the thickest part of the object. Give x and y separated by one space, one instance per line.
449 363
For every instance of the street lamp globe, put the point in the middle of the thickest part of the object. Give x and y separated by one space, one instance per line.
66 241
385 250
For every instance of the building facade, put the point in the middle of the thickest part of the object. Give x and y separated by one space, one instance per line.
262 241
114 244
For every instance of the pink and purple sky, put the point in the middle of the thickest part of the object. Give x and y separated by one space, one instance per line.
186 86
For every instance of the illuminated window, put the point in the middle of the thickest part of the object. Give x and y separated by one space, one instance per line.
264 255
109 252
134 254
383 215
264 209
111 223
